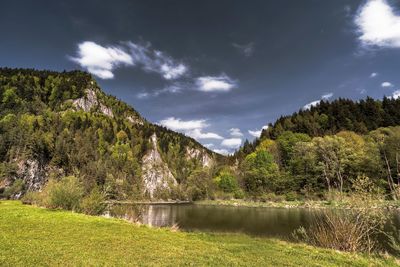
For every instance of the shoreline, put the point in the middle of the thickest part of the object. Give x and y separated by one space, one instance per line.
311 204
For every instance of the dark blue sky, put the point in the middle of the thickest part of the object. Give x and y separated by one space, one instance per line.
205 67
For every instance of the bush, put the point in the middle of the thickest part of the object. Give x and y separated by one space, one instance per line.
226 181
64 194
15 190
94 203
238 194
291 196
354 230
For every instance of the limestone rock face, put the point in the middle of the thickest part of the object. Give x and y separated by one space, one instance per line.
199 154
33 174
134 120
155 172
90 101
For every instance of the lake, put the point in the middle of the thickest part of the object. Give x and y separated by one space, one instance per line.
266 222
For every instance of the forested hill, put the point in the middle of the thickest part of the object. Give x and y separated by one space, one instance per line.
55 124
342 114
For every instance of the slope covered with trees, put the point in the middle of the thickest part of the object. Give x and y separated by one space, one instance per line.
54 125
341 146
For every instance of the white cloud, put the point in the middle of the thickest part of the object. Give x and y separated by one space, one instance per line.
198 134
231 142
156 61
220 83
378 24
316 102
387 84
396 94
174 88
246 49
100 60
235 132
373 75
192 128
222 151
257 133
177 124
209 145
327 96
311 104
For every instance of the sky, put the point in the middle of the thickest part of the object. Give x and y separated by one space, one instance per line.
218 71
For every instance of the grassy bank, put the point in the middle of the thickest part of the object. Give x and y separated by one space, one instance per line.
31 236
295 204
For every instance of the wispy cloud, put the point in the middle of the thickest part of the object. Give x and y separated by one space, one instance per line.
327 96
199 134
101 60
192 128
373 75
177 124
232 143
156 61
209 146
257 133
235 132
387 84
173 88
316 102
220 83
378 24
246 49
222 151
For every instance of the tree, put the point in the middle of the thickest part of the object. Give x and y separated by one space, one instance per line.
260 172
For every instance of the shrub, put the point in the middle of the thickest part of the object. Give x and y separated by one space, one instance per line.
64 194
238 194
94 203
354 230
226 181
15 190
291 196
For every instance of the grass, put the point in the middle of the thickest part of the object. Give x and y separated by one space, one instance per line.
31 236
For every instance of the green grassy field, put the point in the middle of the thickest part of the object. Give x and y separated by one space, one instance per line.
31 236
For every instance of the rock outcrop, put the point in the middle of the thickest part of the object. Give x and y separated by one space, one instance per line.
90 102
155 172
200 155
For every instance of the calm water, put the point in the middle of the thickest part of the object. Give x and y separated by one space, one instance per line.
269 222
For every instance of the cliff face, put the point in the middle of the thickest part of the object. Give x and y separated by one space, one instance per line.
156 174
58 124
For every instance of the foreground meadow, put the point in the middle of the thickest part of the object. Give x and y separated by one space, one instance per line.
31 236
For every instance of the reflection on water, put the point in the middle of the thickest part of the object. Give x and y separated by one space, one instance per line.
270 222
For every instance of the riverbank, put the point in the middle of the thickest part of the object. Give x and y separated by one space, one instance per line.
32 236
295 204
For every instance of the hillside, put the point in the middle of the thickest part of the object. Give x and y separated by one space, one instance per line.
56 124
341 114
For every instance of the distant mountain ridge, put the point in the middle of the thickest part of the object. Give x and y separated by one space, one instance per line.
55 124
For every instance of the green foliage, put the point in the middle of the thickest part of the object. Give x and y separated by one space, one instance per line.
16 188
39 121
64 194
94 203
226 181
260 172
199 185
